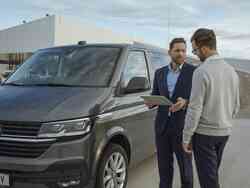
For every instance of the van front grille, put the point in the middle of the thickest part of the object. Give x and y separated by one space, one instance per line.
11 147
30 130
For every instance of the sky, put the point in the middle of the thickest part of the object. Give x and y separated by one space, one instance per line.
156 21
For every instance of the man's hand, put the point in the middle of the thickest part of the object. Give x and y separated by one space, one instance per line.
180 104
187 148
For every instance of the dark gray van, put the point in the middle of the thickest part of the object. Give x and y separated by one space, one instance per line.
72 116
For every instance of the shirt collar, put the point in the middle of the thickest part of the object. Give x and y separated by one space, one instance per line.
213 57
178 68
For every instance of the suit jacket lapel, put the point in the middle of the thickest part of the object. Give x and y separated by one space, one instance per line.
163 82
179 80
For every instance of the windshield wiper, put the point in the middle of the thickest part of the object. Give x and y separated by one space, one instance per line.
45 85
53 85
13 84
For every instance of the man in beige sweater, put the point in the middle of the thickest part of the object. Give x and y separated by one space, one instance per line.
213 104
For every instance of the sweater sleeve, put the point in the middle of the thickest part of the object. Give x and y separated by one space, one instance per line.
195 107
237 97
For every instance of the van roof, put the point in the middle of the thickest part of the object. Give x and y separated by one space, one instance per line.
137 45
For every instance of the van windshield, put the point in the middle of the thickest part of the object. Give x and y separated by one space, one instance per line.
85 66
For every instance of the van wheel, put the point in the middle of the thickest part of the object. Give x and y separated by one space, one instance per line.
113 168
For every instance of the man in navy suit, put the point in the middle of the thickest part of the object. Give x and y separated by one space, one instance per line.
173 81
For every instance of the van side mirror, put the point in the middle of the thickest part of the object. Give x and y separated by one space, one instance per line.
137 84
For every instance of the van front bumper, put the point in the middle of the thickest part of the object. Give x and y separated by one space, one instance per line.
61 163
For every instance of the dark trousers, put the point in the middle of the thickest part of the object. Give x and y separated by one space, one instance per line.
167 144
208 151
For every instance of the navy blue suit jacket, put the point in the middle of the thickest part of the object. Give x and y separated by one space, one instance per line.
174 122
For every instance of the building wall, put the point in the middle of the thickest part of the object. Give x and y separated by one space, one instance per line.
3 67
70 32
55 31
4 57
28 37
51 31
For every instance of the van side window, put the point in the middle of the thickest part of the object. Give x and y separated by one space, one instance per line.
136 67
158 60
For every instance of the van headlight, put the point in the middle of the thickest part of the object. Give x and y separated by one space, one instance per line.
65 128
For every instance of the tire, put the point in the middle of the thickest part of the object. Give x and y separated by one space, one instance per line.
113 168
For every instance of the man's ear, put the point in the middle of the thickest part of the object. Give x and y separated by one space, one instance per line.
204 49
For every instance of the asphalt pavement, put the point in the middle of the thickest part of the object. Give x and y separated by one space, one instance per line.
234 171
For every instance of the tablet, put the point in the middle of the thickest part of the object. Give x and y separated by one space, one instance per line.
157 100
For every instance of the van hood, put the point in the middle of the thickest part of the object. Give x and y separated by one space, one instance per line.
45 104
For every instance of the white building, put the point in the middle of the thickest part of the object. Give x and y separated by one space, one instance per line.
19 42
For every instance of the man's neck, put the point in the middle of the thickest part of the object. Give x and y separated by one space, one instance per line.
175 66
212 53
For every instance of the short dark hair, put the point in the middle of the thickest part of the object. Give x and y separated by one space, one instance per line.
176 40
204 37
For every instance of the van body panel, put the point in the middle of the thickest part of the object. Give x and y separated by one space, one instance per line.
112 113
46 104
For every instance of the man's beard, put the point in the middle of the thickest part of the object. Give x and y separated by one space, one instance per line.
202 57
178 62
